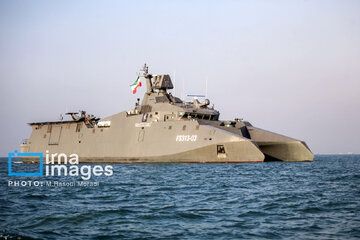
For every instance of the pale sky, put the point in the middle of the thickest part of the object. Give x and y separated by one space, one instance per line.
291 67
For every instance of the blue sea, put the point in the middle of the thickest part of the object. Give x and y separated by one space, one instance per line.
272 200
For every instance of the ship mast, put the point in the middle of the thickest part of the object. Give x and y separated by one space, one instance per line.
148 77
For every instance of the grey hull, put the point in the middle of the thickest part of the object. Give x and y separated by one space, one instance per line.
238 152
275 147
144 144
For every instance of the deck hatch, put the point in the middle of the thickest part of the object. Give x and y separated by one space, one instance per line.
55 135
141 135
221 151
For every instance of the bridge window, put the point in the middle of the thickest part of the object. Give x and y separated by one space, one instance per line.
201 116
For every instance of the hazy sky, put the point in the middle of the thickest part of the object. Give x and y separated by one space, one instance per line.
291 67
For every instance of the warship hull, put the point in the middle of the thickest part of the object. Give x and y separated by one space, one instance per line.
275 147
130 140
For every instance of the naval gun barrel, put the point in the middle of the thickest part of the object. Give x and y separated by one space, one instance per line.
200 105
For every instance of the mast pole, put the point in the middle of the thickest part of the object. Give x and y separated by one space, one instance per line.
148 77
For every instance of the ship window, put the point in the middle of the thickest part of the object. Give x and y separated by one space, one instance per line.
44 136
49 129
220 149
170 127
197 128
78 127
93 130
185 115
156 113
184 127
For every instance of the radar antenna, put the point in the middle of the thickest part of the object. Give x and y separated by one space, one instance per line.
145 69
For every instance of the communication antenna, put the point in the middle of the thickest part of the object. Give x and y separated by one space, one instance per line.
174 83
182 92
206 86
145 69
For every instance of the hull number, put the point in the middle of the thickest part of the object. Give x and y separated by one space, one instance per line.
186 138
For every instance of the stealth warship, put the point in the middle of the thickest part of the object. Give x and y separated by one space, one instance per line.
163 128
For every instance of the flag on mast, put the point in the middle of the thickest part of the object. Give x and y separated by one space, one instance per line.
135 85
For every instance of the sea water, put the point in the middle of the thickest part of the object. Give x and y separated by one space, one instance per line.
272 200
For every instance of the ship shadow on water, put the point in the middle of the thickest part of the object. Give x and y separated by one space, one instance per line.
269 158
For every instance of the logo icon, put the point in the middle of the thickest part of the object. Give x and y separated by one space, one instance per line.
145 117
16 154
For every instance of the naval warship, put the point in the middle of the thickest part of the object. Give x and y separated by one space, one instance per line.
163 128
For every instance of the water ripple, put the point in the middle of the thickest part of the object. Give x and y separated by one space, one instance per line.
315 200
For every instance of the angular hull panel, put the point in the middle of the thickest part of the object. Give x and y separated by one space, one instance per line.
130 140
274 146
277 147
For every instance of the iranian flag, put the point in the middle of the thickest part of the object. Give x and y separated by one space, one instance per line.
136 84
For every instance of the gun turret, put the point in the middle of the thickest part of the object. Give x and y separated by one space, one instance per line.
200 105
